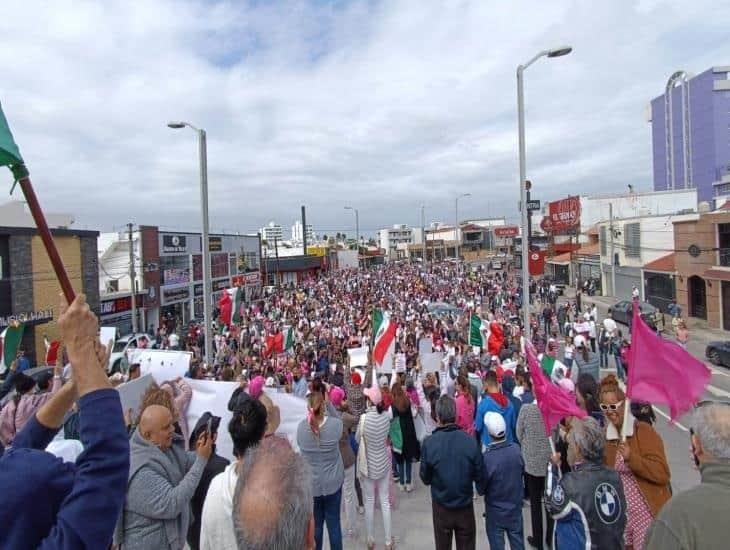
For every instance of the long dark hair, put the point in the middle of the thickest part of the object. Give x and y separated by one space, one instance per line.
400 398
22 384
588 388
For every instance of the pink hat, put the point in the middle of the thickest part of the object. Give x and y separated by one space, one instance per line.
337 395
256 387
373 393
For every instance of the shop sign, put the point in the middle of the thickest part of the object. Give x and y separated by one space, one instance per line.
118 305
221 285
198 290
506 231
247 279
176 276
215 244
173 295
172 244
28 318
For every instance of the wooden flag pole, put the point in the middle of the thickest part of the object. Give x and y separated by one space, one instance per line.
45 234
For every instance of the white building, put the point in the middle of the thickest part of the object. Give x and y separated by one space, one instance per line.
297 235
391 237
272 232
636 241
17 214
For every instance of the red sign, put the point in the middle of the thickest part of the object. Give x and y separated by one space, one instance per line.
247 279
537 262
118 305
506 231
563 215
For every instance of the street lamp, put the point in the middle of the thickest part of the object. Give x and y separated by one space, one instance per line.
207 291
555 52
456 220
357 231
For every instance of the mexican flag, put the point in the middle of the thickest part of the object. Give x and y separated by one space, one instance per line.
548 364
274 344
384 330
288 338
9 152
230 306
476 334
10 339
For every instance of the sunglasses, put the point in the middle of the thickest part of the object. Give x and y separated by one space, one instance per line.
612 408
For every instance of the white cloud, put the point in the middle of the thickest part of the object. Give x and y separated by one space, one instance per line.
384 105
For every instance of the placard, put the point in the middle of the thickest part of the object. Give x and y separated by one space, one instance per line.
163 365
358 356
425 345
130 393
400 362
106 334
431 362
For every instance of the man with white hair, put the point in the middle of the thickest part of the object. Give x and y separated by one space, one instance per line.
697 518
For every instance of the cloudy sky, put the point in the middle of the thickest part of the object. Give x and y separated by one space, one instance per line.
384 105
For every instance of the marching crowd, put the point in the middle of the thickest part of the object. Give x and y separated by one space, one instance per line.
469 428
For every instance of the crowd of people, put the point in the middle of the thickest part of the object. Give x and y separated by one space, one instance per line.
468 429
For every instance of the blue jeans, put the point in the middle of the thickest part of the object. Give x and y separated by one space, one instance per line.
404 470
603 357
620 371
496 532
327 509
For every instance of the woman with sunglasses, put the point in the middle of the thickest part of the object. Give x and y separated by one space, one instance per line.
638 456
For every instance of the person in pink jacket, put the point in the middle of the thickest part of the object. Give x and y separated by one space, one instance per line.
24 404
465 405
181 393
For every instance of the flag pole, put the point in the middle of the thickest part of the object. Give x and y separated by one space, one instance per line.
627 418
45 234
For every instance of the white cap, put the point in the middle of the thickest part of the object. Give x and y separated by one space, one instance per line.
495 424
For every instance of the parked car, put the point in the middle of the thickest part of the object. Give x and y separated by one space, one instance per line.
718 353
559 287
118 358
623 311
496 264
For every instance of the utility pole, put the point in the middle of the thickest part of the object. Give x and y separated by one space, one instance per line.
528 184
132 277
304 229
423 234
276 251
613 262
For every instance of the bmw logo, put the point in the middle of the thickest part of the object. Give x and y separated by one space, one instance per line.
608 503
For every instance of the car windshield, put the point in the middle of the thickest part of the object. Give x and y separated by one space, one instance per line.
119 346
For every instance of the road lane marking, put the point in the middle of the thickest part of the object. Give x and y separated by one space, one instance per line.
719 392
669 420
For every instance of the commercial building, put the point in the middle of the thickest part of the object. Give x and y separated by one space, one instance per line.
272 232
297 233
29 290
690 127
395 240
169 274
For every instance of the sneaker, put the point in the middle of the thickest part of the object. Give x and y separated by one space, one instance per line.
409 487
402 488
361 510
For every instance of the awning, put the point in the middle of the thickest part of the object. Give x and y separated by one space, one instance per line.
560 259
717 275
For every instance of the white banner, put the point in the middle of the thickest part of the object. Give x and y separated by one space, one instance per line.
431 362
213 396
400 362
130 393
425 345
161 364
358 356
106 334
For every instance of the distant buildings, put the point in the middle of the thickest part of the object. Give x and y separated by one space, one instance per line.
690 126
297 234
272 232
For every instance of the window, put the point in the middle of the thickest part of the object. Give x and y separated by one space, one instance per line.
632 240
723 242
602 238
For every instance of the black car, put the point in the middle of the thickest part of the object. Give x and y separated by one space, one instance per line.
718 353
623 311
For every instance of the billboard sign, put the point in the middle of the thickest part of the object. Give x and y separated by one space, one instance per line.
506 231
563 216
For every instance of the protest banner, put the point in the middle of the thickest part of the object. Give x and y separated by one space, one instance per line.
400 362
161 364
431 362
106 334
130 393
358 356
425 345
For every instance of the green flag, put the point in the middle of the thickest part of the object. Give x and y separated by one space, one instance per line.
9 152
476 338
547 364
10 339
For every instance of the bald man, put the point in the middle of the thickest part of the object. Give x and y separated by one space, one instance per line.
162 480
273 504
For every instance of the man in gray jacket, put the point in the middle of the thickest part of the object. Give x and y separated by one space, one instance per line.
162 480
697 518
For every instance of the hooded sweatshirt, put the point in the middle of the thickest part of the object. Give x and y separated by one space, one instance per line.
495 402
216 531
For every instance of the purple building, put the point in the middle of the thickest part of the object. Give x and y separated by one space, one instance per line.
690 127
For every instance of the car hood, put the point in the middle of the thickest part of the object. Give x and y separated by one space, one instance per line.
716 344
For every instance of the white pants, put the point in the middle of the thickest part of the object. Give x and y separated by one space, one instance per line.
368 488
348 492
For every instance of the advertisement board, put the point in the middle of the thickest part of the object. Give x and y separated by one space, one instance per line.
563 216
506 231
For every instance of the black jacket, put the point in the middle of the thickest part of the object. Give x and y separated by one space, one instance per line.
216 465
450 464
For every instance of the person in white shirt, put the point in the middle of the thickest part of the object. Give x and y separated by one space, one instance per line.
610 325
173 341
568 352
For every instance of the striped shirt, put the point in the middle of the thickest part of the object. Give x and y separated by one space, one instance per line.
374 428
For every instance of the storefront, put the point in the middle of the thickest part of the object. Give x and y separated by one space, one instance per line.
660 282
558 268
117 312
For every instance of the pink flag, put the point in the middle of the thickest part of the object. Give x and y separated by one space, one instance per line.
662 371
554 402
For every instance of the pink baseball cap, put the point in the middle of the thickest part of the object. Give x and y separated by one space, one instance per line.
373 393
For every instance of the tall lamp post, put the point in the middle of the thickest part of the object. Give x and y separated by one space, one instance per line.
357 231
207 291
555 52
456 221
